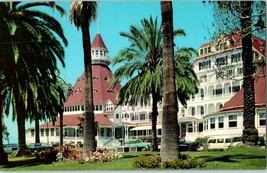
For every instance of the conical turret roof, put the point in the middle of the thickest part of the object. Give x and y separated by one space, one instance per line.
98 42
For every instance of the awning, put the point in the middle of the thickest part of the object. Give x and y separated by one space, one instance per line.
187 119
146 127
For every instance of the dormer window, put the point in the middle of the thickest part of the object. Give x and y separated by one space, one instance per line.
94 90
105 78
95 77
110 90
78 90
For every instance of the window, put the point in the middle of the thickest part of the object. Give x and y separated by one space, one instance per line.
201 51
82 107
236 57
221 61
150 116
212 123
42 132
95 77
94 90
220 140
209 49
189 128
232 120
117 116
202 110
78 90
46 132
221 122
132 116
142 116
52 131
57 132
236 88
193 111
205 64
218 91
262 116
32 132
202 93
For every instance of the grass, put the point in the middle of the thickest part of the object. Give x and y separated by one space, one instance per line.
240 158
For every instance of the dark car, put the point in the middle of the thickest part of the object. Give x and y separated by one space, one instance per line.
188 145
39 146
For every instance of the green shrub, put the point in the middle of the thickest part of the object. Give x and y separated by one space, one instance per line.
184 162
201 141
147 162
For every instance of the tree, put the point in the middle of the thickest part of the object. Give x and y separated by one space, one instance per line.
82 13
170 129
142 65
141 60
30 50
245 18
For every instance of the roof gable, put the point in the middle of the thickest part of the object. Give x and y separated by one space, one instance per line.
236 102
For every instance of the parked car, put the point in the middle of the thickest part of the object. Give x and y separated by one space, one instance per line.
224 143
137 143
188 145
9 148
133 143
39 146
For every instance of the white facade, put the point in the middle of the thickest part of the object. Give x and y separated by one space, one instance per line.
219 70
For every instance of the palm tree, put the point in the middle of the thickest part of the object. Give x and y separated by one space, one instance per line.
142 66
141 60
185 77
250 133
82 13
31 54
170 129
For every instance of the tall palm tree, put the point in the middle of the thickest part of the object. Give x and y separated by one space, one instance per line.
31 50
250 133
185 77
170 129
142 68
82 13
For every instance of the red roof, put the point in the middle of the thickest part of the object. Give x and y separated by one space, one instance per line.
102 76
236 102
257 43
72 120
98 42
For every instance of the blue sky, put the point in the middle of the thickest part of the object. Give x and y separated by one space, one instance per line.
117 16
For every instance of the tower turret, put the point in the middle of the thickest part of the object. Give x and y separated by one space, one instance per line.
99 51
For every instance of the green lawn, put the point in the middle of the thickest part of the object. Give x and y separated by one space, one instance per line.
236 158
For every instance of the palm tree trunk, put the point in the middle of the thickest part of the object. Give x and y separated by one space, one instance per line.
154 145
89 119
250 133
61 129
21 132
37 130
3 155
169 138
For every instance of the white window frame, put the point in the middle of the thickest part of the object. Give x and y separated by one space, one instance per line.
212 123
262 119
233 120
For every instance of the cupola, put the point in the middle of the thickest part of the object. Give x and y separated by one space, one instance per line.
99 51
